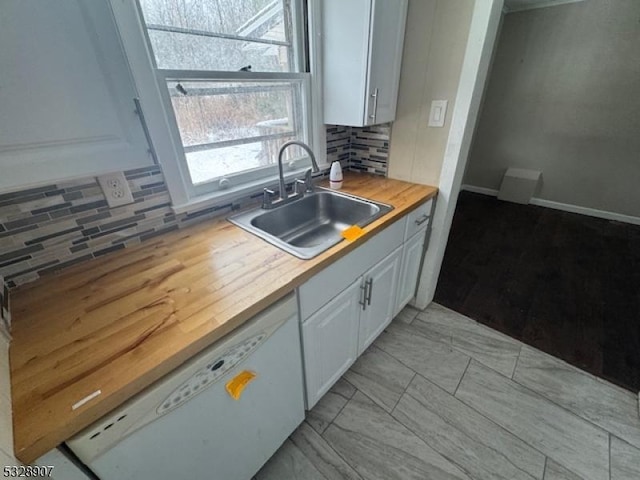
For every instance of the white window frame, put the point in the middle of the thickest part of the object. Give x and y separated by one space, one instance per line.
151 84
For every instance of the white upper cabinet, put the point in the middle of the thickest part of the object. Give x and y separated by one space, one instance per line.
66 94
362 44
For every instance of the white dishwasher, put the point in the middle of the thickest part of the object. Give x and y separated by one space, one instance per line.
189 425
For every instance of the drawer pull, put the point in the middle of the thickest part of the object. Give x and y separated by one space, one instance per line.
363 288
422 219
374 95
370 285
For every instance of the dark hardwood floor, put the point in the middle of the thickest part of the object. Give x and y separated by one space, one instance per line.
567 284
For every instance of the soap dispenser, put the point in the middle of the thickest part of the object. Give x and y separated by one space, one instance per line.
335 176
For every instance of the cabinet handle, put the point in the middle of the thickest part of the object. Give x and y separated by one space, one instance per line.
375 105
422 219
370 285
363 301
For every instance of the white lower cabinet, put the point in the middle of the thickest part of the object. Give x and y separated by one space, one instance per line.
330 340
411 259
335 335
380 290
347 305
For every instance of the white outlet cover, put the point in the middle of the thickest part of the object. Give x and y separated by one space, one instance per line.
116 189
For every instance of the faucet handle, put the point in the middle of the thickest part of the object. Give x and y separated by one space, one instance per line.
267 198
308 182
297 182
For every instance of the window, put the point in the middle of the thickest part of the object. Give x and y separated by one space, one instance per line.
235 82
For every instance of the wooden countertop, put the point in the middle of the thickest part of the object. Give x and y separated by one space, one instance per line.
118 323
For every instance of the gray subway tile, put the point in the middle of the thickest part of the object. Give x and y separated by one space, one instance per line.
88 206
13 261
53 193
23 222
104 251
113 230
152 185
59 213
20 252
90 231
93 218
51 208
68 197
25 193
119 223
16 275
52 235
81 187
16 231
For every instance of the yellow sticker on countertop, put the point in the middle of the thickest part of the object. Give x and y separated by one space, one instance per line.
237 384
353 232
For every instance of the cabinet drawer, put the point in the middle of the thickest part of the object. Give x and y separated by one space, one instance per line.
418 219
328 283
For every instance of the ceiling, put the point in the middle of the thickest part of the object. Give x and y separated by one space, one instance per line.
518 5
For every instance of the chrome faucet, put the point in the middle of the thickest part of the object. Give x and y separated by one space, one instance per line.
308 184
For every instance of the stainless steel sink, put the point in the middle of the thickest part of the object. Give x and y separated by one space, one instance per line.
309 226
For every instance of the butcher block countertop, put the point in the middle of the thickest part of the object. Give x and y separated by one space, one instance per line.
117 324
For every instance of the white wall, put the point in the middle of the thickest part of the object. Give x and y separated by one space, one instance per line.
435 41
448 47
482 34
564 98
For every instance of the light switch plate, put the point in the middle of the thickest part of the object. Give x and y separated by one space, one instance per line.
116 189
438 113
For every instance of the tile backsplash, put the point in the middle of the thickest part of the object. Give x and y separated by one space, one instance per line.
339 144
369 148
51 227
54 226
362 149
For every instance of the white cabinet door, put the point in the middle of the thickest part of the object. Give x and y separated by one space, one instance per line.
380 300
362 44
330 342
386 39
411 257
66 94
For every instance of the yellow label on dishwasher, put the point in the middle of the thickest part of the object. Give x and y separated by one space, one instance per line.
237 384
353 232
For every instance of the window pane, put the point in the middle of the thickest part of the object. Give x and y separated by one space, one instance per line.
228 127
177 51
207 165
220 34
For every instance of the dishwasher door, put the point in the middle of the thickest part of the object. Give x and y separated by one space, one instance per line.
208 435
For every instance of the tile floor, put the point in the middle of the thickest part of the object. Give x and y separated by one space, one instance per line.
440 396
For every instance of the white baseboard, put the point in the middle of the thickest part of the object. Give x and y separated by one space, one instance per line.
565 207
536 5
484 191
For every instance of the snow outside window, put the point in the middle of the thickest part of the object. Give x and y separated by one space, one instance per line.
234 71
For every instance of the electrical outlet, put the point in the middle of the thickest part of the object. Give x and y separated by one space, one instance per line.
116 189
